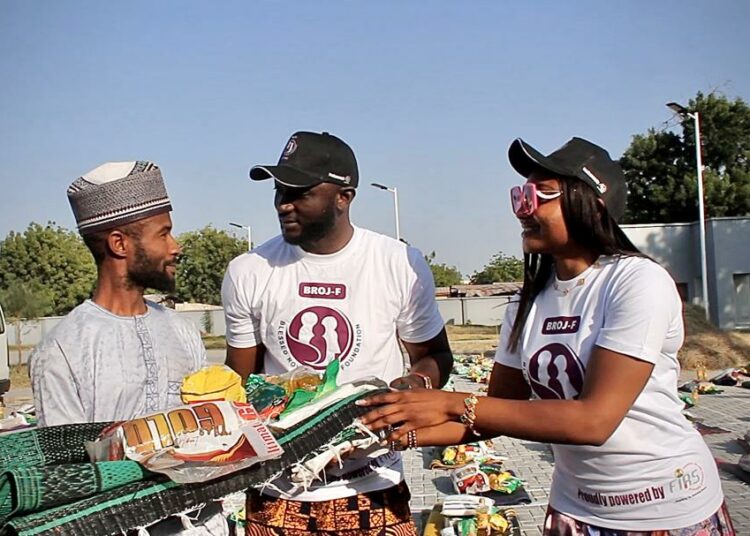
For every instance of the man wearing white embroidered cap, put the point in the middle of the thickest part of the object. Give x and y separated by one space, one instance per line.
117 356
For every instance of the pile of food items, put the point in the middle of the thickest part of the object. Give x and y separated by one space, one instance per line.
482 478
471 515
223 426
476 368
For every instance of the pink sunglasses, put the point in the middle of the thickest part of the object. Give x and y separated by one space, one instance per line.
525 199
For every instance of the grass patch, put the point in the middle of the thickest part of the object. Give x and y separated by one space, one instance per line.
19 376
459 337
707 345
214 342
470 329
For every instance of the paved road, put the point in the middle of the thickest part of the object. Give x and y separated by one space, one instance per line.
533 462
216 356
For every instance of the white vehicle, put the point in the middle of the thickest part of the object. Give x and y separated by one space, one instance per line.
4 368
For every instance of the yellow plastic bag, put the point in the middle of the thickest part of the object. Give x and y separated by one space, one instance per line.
215 382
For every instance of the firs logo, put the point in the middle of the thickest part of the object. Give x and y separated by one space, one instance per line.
329 291
688 478
561 324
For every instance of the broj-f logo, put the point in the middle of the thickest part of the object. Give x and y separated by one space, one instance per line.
556 372
317 335
290 147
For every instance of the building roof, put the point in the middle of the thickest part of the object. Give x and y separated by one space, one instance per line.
470 291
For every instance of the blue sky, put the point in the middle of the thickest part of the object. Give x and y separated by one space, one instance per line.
429 95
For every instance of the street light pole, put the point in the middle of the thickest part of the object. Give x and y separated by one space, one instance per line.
681 110
394 191
701 209
249 234
395 208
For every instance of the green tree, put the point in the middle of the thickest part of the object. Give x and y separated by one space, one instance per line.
52 256
25 301
444 275
205 256
207 323
660 166
501 269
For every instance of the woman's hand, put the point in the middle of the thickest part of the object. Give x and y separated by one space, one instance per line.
412 409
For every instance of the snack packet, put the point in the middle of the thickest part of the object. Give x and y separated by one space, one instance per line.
267 398
297 378
459 455
499 479
470 479
211 383
277 394
499 526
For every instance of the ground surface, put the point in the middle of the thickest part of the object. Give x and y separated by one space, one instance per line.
534 463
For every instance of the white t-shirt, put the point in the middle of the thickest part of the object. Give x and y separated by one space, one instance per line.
655 471
351 305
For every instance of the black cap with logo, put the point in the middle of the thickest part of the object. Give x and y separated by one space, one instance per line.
578 159
310 158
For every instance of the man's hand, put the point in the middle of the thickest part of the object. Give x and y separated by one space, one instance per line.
410 381
432 358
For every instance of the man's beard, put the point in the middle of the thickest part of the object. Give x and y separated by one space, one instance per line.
313 231
150 273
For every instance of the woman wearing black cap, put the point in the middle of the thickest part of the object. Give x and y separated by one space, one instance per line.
587 361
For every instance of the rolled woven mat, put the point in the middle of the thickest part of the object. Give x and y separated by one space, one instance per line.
29 489
143 503
35 461
48 446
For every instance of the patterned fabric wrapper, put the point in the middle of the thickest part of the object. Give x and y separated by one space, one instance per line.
379 513
719 524
25 455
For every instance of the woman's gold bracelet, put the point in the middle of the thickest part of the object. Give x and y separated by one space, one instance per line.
469 416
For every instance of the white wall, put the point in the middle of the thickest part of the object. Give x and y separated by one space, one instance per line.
677 247
32 331
487 311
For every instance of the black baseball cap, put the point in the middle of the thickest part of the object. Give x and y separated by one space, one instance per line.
310 158
578 159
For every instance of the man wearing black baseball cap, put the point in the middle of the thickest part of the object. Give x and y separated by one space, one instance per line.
315 180
328 290
309 159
